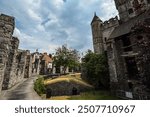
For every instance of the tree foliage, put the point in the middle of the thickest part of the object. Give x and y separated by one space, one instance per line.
66 57
95 70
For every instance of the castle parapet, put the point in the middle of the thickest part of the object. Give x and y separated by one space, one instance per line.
111 23
7 24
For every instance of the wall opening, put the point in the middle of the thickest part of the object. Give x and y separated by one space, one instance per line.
130 11
148 1
74 91
130 85
132 69
105 39
126 44
140 37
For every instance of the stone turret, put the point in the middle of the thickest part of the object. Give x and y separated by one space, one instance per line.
97 27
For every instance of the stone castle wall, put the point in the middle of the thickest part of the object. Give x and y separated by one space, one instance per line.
9 74
110 23
28 67
126 42
15 64
6 31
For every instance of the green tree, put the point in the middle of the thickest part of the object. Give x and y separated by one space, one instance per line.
95 70
66 57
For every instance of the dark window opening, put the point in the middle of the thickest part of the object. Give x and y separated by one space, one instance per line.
74 91
126 44
1 60
130 85
140 37
132 69
148 1
105 39
130 11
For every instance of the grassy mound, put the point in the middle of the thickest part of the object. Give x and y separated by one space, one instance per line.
71 78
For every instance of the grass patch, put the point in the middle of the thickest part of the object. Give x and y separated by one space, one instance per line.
68 78
39 86
60 98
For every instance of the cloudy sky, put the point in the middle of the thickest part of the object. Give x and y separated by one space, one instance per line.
48 24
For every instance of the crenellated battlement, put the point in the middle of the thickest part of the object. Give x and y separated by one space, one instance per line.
15 64
111 23
16 39
7 25
28 52
7 19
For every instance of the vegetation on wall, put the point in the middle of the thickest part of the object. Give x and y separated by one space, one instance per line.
95 70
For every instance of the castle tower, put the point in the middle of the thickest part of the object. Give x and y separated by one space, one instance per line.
130 8
97 27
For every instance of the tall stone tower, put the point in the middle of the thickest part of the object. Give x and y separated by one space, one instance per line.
97 27
130 8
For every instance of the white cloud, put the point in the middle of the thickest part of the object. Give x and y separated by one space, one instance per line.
33 15
47 24
40 28
16 32
109 9
58 3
